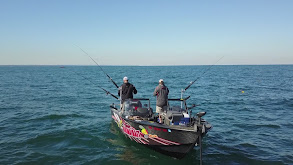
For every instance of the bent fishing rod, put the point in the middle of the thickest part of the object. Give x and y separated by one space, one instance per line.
201 75
183 90
98 66
107 92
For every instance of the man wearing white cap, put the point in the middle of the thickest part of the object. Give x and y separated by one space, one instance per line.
127 90
161 92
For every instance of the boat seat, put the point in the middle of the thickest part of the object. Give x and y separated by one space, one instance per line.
136 103
174 115
142 112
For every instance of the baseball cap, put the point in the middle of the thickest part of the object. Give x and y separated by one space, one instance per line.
125 78
161 80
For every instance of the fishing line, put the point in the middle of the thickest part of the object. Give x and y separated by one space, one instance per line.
98 65
107 92
202 74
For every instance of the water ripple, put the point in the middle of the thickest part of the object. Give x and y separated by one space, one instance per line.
50 115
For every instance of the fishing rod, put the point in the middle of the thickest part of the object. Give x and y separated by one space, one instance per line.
202 74
99 66
107 92
183 90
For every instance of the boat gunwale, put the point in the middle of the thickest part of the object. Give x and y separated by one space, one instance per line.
144 122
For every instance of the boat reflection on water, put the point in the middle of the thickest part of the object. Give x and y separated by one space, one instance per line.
128 152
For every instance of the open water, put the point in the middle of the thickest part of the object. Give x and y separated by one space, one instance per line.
53 115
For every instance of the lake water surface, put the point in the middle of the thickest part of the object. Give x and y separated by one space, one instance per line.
53 115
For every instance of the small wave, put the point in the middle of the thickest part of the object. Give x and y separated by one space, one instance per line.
247 145
67 137
268 125
239 154
256 125
288 125
288 102
57 117
279 102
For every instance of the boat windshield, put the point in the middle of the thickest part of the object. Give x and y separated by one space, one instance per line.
129 106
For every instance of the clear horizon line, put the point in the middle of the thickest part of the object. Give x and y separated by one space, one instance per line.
135 65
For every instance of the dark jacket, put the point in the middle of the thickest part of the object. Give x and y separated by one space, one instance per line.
127 91
161 92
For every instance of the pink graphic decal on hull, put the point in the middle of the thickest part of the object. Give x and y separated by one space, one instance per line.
140 136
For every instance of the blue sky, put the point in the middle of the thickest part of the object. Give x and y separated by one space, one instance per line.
150 32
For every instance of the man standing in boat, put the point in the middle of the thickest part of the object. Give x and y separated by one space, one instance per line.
126 90
161 92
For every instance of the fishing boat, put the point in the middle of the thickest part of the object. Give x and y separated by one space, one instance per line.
175 135
174 132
